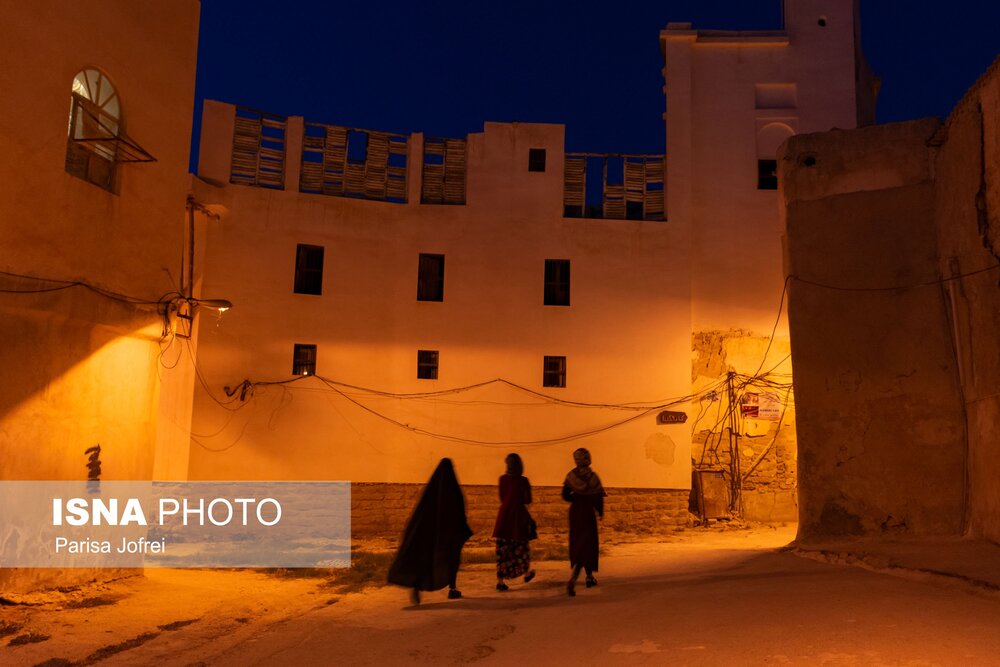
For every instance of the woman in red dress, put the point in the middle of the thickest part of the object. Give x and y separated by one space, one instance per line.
513 527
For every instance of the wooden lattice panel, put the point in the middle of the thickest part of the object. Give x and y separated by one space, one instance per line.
635 179
575 183
444 171
327 169
632 186
258 149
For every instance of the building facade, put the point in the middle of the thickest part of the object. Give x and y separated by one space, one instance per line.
732 98
93 160
404 298
465 329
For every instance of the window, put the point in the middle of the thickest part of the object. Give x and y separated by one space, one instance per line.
304 360
94 114
309 269
427 364
767 174
96 143
769 140
536 159
554 372
557 282
430 278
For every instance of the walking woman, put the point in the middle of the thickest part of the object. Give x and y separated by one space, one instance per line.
514 526
583 490
431 549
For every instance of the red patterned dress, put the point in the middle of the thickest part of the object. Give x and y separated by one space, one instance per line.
511 530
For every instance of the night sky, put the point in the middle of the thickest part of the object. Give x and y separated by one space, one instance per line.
444 67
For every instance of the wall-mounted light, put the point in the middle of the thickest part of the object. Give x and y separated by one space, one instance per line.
183 307
221 305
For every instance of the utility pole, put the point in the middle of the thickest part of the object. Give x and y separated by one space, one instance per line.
735 474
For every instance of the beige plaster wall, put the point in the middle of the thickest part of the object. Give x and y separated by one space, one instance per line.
625 336
880 422
80 369
713 121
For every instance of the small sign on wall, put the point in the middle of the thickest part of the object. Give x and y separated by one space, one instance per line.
769 407
760 406
671 417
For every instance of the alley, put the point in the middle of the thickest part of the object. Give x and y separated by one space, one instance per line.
721 599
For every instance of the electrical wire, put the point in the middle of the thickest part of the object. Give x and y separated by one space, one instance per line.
69 284
244 393
770 340
247 385
491 443
926 283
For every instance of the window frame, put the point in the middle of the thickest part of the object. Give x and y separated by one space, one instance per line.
304 363
430 277
554 371
536 160
428 364
767 174
557 283
308 279
96 164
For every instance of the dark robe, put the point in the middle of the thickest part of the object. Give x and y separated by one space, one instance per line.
583 512
431 549
512 519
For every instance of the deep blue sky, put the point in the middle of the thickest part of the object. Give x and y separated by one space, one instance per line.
445 67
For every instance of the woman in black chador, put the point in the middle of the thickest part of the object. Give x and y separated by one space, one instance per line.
585 494
431 549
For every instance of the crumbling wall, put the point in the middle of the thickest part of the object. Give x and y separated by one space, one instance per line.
764 441
967 216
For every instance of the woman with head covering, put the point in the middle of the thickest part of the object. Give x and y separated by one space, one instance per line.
431 549
583 490
512 529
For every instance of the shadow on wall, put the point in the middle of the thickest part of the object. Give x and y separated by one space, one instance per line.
80 370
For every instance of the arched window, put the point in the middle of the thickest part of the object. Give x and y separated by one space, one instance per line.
97 142
94 126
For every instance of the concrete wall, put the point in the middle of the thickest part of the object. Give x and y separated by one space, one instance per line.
81 369
880 421
625 334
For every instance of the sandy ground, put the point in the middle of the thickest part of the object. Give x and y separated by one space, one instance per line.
703 598
187 616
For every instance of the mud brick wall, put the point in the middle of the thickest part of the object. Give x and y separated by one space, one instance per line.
381 510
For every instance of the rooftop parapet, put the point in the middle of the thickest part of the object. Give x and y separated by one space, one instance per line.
273 152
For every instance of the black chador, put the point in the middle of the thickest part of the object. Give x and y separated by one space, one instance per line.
431 549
